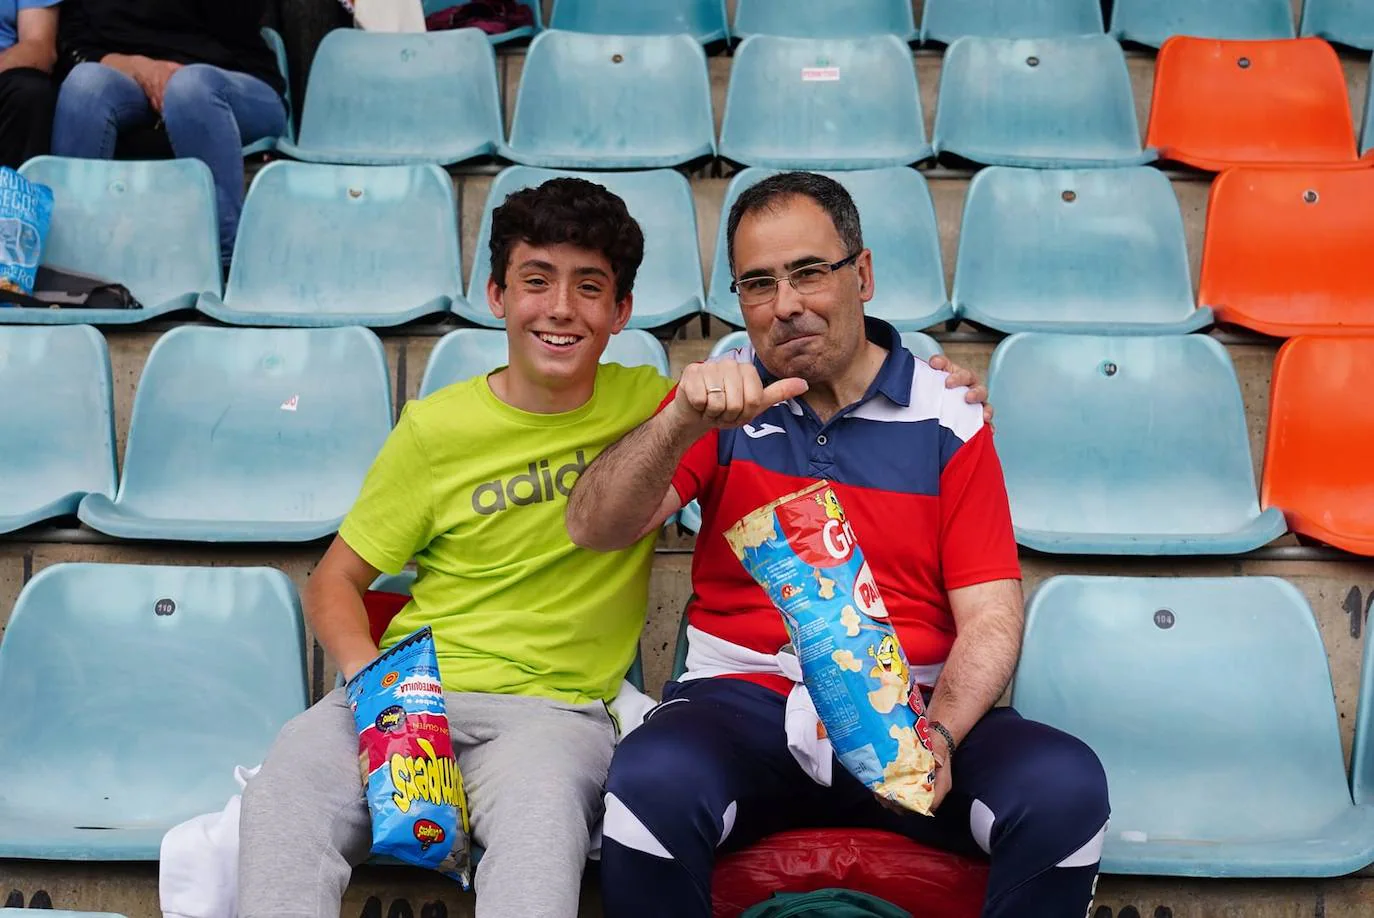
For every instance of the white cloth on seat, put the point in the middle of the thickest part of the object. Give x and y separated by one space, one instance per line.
388 15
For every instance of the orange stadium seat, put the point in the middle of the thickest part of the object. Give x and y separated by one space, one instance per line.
1290 251
1227 103
1317 465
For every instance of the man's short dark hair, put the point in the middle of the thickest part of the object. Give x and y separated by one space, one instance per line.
829 194
569 211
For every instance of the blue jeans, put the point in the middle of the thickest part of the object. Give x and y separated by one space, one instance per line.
209 113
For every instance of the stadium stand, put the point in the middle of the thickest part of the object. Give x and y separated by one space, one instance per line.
1229 103
249 435
1345 22
947 20
323 245
824 19
59 436
704 20
1287 251
1048 103
496 38
148 684
1152 22
1099 251
1126 446
799 103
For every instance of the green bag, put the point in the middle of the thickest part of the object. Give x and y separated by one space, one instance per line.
826 903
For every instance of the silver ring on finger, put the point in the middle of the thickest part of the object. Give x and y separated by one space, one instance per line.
714 390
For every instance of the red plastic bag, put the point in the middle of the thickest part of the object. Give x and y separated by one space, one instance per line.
924 881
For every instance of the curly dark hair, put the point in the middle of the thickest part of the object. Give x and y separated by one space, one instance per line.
570 211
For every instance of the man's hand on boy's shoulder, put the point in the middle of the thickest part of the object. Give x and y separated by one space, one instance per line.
958 376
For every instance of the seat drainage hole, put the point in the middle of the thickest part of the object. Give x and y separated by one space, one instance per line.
1108 368
1069 196
1310 196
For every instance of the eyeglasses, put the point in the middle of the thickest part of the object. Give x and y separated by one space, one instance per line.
755 291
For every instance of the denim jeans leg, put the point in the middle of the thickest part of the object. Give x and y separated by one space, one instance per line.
94 104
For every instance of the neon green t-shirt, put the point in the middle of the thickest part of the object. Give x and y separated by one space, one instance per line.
475 490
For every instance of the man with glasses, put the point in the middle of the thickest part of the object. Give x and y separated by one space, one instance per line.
732 753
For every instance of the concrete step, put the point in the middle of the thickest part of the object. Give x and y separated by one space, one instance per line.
131 890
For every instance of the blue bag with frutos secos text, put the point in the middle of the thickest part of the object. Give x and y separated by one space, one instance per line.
25 212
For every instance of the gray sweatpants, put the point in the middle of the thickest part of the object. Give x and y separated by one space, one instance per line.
534 771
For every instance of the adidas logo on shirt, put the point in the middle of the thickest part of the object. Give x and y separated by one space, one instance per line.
537 485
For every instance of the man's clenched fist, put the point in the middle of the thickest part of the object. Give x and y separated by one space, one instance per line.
726 393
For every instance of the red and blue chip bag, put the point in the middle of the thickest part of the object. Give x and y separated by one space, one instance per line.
405 753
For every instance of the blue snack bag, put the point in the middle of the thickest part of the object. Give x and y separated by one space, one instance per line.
25 211
405 754
802 551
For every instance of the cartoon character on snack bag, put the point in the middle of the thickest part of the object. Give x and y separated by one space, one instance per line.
890 669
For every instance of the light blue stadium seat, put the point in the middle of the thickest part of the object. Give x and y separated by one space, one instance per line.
1150 22
807 103
56 422
1346 22
1049 103
378 98
326 245
1207 700
946 20
147 225
468 352
1094 250
919 343
668 285
130 695
824 18
268 144
704 20
612 102
435 6
1126 446
899 225
249 435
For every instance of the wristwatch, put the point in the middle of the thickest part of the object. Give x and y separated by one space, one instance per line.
944 732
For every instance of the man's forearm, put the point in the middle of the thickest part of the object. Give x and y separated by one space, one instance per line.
338 618
31 54
615 500
978 671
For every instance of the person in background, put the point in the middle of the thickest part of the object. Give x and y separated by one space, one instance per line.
28 51
200 67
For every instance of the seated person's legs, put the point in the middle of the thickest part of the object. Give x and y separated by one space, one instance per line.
94 104
533 770
210 114
709 768
304 822
27 97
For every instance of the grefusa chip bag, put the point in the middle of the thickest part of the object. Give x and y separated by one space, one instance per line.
405 753
802 551
25 210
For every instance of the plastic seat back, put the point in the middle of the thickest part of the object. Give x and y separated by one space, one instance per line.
56 422
250 435
468 352
704 20
144 687
1045 102
668 283
1099 251
612 102
824 18
1320 438
147 225
946 20
1178 685
1151 22
377 98
1346 22
343 245
899 226
1126 445
823 103
1229 103
1288 251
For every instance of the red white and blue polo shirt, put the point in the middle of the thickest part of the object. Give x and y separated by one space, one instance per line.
915 470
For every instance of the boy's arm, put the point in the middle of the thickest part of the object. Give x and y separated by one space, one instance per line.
334 607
